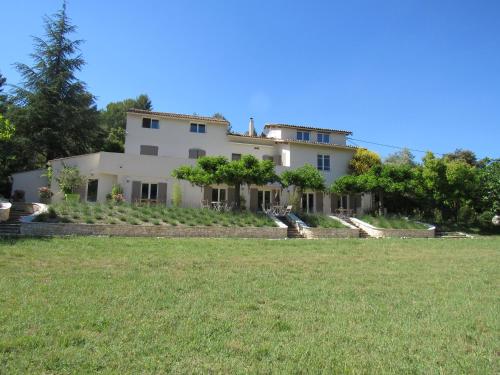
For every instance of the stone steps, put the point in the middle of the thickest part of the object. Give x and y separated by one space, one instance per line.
362 232
452 235
292 231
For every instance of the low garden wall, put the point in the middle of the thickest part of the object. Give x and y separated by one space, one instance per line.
394 233
330 232
65 229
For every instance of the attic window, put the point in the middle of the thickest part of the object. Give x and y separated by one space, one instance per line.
303 136
148 123
197 128
323 138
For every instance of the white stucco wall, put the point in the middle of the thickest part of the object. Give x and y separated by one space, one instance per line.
339 159
173 138
30 182
291 133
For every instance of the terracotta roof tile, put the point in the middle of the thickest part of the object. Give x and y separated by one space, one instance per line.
178 116
307 127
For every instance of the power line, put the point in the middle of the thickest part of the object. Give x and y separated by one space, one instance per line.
391 146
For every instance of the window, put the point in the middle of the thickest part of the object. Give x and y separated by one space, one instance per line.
267 157
148 123
323 138
149 150
197 128
235 156
196 153
303 136
324 162
149 191
218 195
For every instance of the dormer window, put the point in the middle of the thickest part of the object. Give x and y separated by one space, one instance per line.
198 128
149 123
303 136
323 138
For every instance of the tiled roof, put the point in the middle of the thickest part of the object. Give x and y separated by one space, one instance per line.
307 127
178 116
335 145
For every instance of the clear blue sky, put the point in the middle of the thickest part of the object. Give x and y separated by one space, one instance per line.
416 73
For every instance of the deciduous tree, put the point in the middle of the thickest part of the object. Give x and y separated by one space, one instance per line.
363 160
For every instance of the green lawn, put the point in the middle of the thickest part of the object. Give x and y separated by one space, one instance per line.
111 213
392 222
319 220
125 305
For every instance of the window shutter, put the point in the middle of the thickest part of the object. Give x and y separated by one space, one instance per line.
193 153
253 199
319 202
149 150
207 193
82 190
136 191
277 159
231 196
162 193
334 201
201 153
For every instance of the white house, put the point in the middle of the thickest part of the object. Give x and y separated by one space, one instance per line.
158 142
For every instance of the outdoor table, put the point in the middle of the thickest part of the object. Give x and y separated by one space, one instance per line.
216 205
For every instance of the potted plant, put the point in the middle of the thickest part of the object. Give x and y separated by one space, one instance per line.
117 193
45 194
70 181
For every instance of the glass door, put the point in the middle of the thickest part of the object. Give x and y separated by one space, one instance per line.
307 202
263 200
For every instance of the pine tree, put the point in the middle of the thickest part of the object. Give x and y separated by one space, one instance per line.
54 110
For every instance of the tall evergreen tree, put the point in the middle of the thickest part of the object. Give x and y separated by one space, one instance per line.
54 110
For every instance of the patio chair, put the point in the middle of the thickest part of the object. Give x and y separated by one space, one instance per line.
287 210
205 203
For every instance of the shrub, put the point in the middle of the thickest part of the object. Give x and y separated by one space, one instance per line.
52 212
45 194
177 195
467 215
69 179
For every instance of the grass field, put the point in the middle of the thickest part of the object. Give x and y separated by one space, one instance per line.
125 305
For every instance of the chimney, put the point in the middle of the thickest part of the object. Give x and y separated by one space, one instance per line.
251 127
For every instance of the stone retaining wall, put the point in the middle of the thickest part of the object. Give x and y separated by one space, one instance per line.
395 233
330 232
65 229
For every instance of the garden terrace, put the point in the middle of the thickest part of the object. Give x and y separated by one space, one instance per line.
392 222
154 215
319 221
